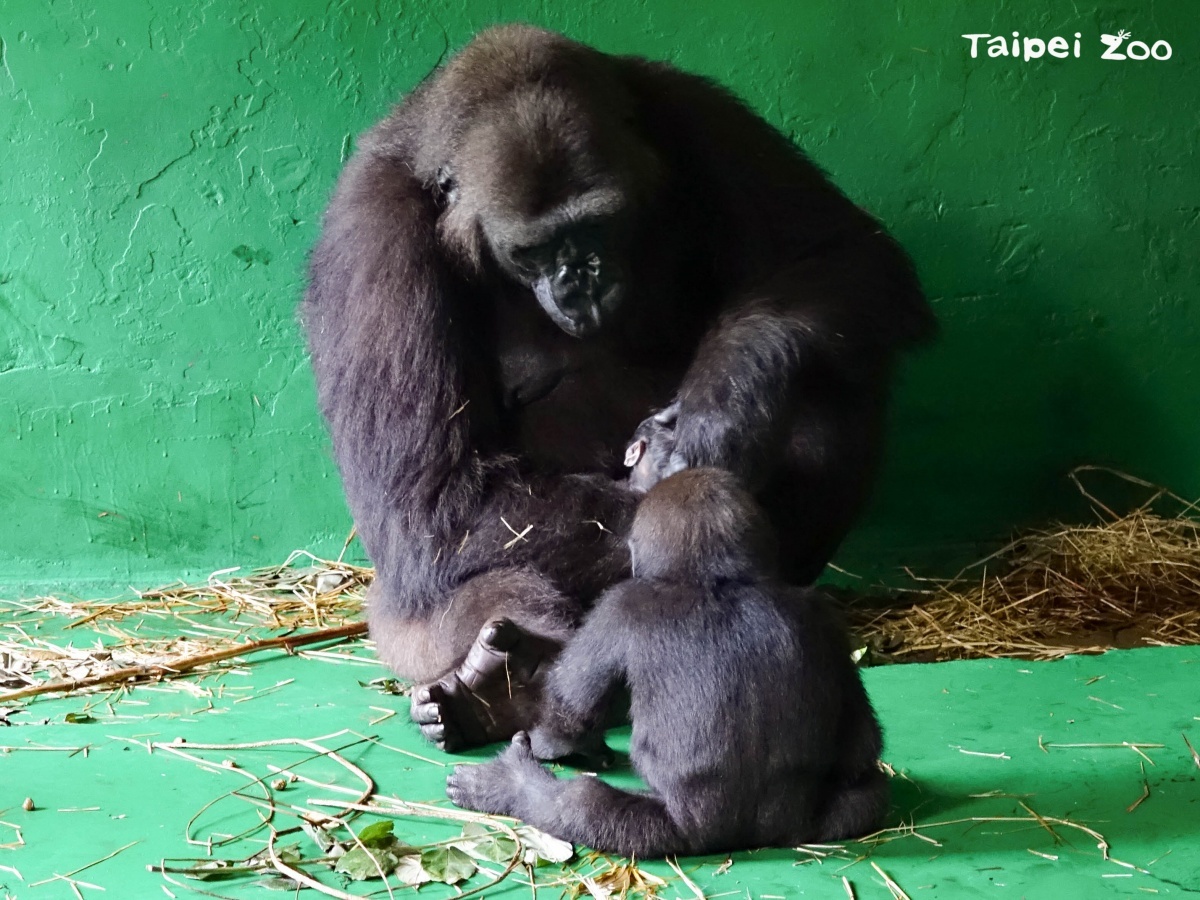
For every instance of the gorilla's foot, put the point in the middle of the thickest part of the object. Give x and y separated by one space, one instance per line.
492 694
495 787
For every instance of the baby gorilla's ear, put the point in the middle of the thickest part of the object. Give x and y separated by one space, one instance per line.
634 453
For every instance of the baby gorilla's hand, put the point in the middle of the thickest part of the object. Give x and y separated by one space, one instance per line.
590 748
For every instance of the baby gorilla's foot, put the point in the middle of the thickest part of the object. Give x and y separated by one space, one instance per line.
492 694
496 787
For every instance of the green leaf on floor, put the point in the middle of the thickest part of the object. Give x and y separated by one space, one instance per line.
448 864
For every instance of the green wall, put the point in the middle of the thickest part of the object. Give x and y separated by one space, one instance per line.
163 166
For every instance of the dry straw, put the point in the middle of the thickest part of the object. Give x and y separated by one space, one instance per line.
1129 580
304 601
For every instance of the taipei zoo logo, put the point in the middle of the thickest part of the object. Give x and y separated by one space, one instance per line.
1116 47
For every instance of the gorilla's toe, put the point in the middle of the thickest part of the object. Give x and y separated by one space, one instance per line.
425 709
458 787
500 634
521 748
491 695
432 710
487 660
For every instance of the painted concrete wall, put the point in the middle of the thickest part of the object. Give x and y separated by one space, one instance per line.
163 166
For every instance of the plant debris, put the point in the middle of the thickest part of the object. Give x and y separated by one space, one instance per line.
1130 580
367 850
201 626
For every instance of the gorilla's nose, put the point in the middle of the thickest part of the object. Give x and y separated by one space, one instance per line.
571 287
566 279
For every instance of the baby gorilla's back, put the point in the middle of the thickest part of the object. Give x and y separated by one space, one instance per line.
749 719
751 726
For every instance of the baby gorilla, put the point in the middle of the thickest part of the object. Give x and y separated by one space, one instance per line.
648 457
750 723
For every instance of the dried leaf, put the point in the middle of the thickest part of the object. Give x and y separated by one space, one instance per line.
484 843
323 839
541 847
392 686
289 854
410 871
621 879
330 580
276 882
218 870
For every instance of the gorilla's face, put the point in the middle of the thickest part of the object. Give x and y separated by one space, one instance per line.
574 270
547 191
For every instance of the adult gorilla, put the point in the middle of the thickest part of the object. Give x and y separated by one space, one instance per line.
541 245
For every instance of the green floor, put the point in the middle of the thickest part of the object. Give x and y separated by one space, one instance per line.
970 742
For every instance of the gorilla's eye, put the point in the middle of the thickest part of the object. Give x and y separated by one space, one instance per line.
531 260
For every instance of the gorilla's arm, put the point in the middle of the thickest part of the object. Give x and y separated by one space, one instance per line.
816 301
409 413
734 406
379 316
441 511
789 371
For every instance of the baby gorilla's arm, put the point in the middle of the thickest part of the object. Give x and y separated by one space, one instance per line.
580 686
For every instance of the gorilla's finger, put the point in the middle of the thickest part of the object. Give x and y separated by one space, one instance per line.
677 463
426 713
669 415
435 733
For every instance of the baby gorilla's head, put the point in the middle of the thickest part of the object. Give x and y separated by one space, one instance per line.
701 525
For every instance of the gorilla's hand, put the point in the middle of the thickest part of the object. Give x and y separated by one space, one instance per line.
739 398
590 747
705 435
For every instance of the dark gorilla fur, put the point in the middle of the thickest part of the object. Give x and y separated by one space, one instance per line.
541 245
751 726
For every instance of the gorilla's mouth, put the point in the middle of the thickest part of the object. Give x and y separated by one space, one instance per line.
579 311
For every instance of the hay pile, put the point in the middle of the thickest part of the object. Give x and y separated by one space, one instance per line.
1130 580
178 629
